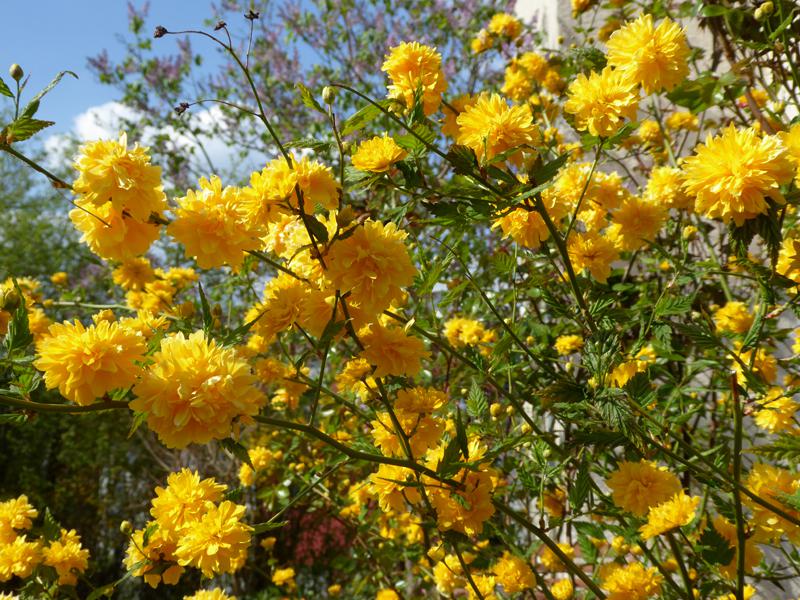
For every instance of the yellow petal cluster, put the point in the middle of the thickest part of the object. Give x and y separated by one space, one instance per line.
414 68
85 363
194 390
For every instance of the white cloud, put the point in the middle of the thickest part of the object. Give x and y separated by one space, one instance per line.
105 121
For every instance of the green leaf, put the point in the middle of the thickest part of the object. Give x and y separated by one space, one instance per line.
361 117
477 405
13 418
51 85
580 488
785 447
715 548
208 318
673 305
260 528
461 435
714 10
24 128
18 335
51 529
309 143
148 533
463 159
4 89
412 143
547 171
308 99
318 230
237 450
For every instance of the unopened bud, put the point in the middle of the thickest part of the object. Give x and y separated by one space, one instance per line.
126 527
16 72
328 94
767 8
495 409
160 32
9 301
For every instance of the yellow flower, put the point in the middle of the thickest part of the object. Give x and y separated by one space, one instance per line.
505 25
632 582
562 589
491 127
636 487
378 154
391 351
86 363
420 400
283 576
466 509
261 458
422 432
776 412
601 102
664 188
513 573
752 555
534 64
215 225
218 542
655 57
765 366
593 252
373 264
110 172
551 561
734 317
732 175
525 227
451 112
481 42
568 344
581 6
194 390
650 132
215 594
791 139
635 223
462 332
67 557
155 560
770 483
517 84
109 233
134 273
183 501
682 120
414 68
19 558
385 484
789 259
387 594
16 513
675 512
59 279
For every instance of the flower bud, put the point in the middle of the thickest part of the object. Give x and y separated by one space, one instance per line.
16 72
126 527
495 409
328 94
767 8
9 301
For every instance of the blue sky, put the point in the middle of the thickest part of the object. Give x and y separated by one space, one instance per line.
48 36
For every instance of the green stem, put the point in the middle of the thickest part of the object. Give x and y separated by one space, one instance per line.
741 540
545 539
676 552
60 408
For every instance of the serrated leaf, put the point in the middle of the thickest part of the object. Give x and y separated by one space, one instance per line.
309 143
308 99
237 450
580 488
477 404
51 528
360 118
715 548
24 128
463 159
148 533
4 89
461 435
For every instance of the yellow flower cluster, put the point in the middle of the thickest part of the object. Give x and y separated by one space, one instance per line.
416 69
118 192
194 390
192 527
